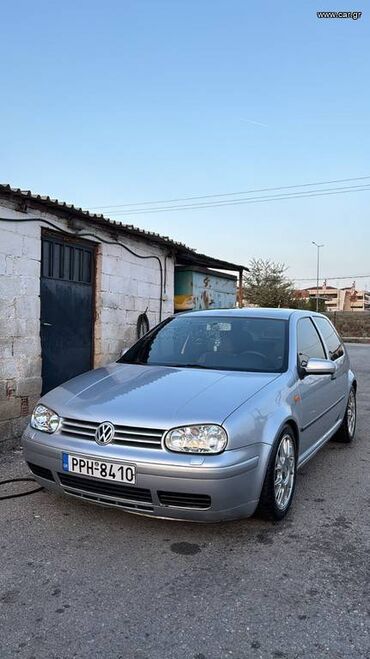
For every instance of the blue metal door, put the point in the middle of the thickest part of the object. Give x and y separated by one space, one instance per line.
67 272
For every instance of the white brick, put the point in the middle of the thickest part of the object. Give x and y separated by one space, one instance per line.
132 287
25 328
29 286
7 317
110 300
116 284
114 251
3 264
141 304
10 242
104 282
144 289
10 409
28 346
29 387
110 265
132 317
155 291
28 307
130 302
8 369
153 318
109 315
115 347
6 348
9 265
139 272
9 287
32 248
23 267
28 367
154 305
21 228
129 336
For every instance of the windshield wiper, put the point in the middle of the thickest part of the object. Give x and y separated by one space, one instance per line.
164 364
187 365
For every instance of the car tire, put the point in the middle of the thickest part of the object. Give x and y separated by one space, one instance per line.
347 431
275 503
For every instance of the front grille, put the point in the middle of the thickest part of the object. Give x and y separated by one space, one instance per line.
42 472
181 500
127 435
106 488
117 503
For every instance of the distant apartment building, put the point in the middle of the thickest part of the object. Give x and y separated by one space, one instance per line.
339 299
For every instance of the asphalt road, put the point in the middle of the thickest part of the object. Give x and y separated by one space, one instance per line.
81 581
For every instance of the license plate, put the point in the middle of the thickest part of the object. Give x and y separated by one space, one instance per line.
112 471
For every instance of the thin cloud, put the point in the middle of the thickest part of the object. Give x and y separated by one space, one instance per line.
256 123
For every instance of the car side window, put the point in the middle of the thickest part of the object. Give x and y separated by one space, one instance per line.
331 338
309 342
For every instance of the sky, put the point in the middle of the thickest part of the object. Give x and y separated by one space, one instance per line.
120 102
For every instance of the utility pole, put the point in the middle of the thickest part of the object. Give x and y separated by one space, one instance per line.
317 273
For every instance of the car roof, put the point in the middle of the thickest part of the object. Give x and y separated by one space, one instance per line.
253 312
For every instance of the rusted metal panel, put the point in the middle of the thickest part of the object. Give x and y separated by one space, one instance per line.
200 288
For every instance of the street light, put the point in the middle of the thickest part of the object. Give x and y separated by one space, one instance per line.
317 273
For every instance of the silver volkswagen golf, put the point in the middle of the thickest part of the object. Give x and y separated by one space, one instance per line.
207 417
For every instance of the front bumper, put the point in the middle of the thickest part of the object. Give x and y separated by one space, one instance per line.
205 488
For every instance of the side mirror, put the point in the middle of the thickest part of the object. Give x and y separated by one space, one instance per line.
319 367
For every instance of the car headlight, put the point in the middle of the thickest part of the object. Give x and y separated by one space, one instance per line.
196 439
44 419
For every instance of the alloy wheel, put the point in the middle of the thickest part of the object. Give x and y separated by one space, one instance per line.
351 413
284 473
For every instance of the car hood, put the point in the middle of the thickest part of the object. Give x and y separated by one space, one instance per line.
155 396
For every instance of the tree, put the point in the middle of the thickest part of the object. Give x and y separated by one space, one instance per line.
310 304
266 285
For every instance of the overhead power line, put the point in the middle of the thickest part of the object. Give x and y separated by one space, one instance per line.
331 278
249 200
231 194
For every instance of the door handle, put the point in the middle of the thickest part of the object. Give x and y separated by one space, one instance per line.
46 324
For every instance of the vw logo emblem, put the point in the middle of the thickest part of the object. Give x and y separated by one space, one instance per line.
104 433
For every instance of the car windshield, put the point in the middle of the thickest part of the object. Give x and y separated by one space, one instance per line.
214 342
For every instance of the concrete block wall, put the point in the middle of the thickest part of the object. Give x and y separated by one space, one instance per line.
125 287
20 347
129 286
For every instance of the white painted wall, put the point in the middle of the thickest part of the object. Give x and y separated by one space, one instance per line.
128 287
125 287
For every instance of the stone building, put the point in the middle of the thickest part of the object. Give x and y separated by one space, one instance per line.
349 298
75 289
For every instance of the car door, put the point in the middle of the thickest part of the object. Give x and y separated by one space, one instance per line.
317 392
336 352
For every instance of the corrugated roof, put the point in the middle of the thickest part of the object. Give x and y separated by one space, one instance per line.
185 253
